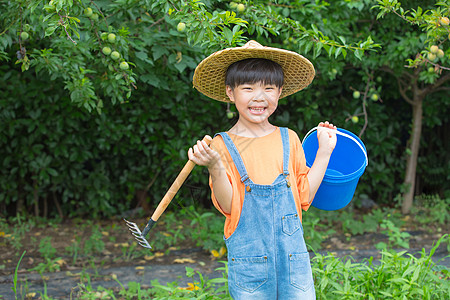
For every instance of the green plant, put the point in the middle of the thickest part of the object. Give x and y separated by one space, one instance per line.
207 229
46 249
395 236
94 244
14 287
398 276
314 232
74 249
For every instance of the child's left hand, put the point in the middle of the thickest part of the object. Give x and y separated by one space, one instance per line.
326 136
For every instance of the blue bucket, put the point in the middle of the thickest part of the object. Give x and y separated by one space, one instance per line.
347 163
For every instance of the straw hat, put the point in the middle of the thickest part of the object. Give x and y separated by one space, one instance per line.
209 76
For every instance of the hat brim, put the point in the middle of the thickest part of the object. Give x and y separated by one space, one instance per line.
209 76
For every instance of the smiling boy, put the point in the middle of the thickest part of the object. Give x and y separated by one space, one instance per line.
258 173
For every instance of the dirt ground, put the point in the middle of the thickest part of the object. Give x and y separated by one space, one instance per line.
118 255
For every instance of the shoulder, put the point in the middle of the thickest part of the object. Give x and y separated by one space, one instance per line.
293 136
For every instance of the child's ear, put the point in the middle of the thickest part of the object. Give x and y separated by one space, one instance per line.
229 91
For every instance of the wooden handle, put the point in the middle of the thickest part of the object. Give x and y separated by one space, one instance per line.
176 185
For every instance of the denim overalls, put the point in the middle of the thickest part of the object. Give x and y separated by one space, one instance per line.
267 256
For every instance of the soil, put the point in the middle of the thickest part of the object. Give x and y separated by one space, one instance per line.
143 265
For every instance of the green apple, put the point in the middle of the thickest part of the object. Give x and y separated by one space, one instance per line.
88 12
94 17
104 36
444 21
24 35
106 50
111 38
355 119
431 69
356 94
233 5
124 66
181 27
115 55
374 97
434 49
240 7
440 53
431 56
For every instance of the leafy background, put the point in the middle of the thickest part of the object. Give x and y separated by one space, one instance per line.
81 137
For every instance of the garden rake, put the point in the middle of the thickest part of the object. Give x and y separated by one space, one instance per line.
140 236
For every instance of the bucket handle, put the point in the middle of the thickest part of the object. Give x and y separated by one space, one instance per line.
345 135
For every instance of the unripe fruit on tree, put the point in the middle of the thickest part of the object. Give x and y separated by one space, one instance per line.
111 37
355 119
181 27
230 115
431 56
434 49
88 12
334 71
233 5
94 17
124 65
106 50
104 36
356 94
444 21
240 7
115 55
440 53
431 69
374 97
24 35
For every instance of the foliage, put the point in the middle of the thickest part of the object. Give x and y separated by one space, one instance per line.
146 116
397 276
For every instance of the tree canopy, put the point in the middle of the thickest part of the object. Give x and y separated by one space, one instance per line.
98 106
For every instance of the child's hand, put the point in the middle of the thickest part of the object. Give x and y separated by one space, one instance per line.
326 136
202 155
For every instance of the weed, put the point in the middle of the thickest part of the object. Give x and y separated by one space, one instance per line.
46 249
94 244
395 236
74 249
14 287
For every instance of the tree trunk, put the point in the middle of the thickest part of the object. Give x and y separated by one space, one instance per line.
411 164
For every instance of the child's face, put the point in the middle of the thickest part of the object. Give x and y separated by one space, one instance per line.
255 102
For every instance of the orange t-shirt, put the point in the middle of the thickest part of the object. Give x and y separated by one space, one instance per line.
263 160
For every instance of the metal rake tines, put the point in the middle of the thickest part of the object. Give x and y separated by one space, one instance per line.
138 234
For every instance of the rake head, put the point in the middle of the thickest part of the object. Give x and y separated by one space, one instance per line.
140 237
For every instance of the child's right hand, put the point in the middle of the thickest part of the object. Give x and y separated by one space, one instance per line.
202 155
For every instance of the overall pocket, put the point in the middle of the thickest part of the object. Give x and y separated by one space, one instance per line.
300 273
290 223
249 273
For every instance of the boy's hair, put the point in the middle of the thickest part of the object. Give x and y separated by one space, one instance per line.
253 70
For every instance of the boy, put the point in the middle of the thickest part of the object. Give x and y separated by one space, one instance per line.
258 173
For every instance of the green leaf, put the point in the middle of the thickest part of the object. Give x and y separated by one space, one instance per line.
359 53
49 31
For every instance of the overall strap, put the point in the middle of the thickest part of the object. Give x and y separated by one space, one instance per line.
234 153
285 140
